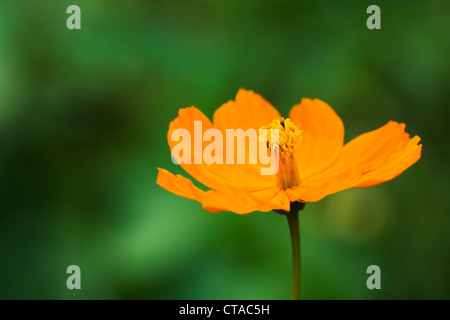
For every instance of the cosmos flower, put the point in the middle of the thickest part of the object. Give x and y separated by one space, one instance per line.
313 160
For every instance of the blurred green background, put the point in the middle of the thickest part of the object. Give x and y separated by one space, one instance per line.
83 124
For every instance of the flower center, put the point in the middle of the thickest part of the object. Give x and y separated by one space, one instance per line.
288 137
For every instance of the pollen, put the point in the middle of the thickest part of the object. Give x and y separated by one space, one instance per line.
288 137
282 137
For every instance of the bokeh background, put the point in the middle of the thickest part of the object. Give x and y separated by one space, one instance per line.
83 123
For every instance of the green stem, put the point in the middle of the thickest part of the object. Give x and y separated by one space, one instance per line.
295 244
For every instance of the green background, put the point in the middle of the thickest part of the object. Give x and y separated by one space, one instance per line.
83 123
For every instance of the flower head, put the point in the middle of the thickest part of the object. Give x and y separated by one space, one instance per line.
313 160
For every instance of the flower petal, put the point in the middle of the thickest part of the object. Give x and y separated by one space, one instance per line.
179 185
315 189
369 159
249 110
243 177
323 136
396 164
275 198
371 149
230 200
212 200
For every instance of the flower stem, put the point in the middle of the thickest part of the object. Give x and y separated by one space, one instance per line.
295 244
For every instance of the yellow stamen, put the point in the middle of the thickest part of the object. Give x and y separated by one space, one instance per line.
289 136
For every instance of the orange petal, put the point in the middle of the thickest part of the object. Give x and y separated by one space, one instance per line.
243 177
179 185
370 150
230 200
249 110
275 198
323 136
371 158
312 190
212 201
395 165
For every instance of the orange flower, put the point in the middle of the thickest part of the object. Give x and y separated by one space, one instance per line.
314 162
